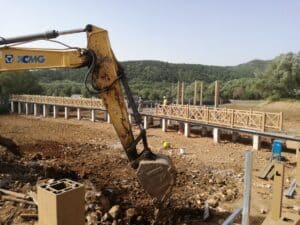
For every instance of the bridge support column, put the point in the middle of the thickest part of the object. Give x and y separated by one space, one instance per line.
256 142
12 107
78 114
164 125
66 112
108 118
168 122
235 136
216 135
19 108
55 111
146 122
45 110
187 129
26 108
93 115
35 109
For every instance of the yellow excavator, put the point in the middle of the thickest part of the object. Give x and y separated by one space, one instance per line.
104 76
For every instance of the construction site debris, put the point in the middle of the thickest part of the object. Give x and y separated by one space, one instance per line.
10 198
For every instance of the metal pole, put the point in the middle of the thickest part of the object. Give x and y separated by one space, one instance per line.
247 187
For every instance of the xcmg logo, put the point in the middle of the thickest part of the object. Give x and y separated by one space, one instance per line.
9 59
25 59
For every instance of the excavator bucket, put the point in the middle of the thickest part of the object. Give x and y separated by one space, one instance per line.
157 177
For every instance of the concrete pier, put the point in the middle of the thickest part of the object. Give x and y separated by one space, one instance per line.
45 110
164 125
35 109
130 118
256 142
146 122
55 111
12 107
93 116
66 112
168 122
19 108
78 114
187 129
216 135
26 109
108 118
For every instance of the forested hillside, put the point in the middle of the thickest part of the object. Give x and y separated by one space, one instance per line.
279 78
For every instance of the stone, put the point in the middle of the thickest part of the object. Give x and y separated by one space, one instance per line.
90 196
104 202
114 211
92 218
296 208
36 156
229 195
212 202
131 212
105 217
263 211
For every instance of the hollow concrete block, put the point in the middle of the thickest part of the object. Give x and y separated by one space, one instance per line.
61 203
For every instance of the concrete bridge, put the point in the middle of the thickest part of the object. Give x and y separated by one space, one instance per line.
255 123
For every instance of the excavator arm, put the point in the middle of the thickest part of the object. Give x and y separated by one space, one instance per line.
154 171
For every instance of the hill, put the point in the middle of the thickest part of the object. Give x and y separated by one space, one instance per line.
158 71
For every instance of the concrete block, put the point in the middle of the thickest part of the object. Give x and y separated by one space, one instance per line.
61 203
216 135
256 142
78 114
187 129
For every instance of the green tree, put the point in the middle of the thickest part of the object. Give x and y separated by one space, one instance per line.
282 77
18 83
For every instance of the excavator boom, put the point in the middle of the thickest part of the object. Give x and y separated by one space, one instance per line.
155 172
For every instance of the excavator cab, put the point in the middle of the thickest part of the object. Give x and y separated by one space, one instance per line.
104 77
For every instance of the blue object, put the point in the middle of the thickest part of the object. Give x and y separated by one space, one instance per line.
277 149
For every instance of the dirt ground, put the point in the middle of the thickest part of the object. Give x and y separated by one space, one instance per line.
91 154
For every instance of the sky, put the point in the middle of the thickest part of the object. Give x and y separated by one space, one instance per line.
212 32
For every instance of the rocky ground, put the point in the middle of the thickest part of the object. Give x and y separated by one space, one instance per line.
210 176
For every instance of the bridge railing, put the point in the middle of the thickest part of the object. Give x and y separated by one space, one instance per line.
248 119
60 101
